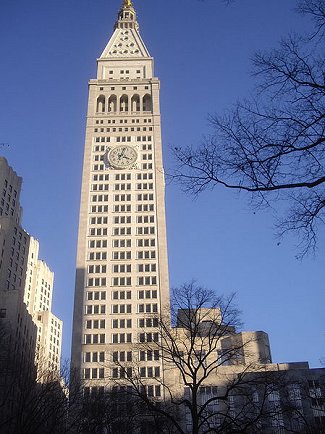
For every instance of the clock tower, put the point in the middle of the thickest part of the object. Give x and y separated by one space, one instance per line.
122 271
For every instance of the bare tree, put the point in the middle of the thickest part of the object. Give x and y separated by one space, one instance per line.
214 379
273 145
32 401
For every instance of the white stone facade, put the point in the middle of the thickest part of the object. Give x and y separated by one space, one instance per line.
122 270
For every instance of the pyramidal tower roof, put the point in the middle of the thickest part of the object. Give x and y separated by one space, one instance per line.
126 41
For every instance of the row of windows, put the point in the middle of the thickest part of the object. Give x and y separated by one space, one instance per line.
98 232
123 139
141 308
149 355
94 357
122 220
125 129
95 324
149 372
122 187
122 208
119 256
10 189
101 167
121 268
125 121
117 187
119 139
148 308
122 356
101 177
14 266
148 293
146 254
10 201
121 197
18 244
142 294
96 269
93 373
6 210
97 256
101 198
95 309
98 220
140 230
118 295
145 242
99 209
145 230
145 207
100 187
122 372
121 338
96 295
122 176
144 372
122 243
121 295
94 338
121 323
119 231
121 308
146 268
149 337
98 281
97 244
148 322
122 281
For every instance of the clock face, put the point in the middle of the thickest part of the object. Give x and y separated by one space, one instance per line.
122 156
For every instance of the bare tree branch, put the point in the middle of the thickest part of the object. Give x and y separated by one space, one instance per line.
273 145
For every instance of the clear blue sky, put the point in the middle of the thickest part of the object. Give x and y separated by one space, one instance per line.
202 51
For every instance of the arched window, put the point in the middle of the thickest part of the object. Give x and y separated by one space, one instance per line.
124 103
100 104
112 103
135 103
147 103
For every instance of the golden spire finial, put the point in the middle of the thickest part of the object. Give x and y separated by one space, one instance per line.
127 3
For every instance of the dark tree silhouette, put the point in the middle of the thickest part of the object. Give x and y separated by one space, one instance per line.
273 145
214 379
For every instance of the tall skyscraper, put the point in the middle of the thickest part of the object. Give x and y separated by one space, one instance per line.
122 270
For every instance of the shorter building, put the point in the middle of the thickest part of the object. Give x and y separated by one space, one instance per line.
23 273
229 384
30 334
17 356
216 380
49 337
